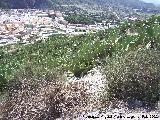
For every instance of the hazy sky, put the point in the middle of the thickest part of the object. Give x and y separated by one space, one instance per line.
153 1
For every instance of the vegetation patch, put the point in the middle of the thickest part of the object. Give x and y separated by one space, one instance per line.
134 76
131 74
81 53
45 97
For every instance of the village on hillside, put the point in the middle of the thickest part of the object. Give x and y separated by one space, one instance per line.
27 26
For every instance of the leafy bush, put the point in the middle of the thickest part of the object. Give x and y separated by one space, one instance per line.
134 76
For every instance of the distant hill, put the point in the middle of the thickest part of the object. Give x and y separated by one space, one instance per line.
20 4
51 3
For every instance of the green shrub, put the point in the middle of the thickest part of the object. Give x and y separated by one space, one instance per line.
134 76
3 83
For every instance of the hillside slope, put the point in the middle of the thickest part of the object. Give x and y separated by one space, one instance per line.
52 3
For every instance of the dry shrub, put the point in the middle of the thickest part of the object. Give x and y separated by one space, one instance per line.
44 99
